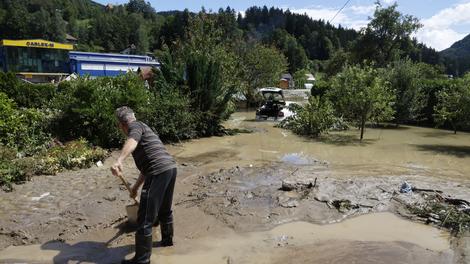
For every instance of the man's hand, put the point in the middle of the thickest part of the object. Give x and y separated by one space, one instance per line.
116 169
134 191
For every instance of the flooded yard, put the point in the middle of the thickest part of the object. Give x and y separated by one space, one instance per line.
386 151
263 197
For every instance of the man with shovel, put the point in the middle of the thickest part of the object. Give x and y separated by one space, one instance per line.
157 174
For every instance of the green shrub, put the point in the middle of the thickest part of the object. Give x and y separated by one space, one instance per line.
171 116
23 129
210 95
313 119
26 94
73 155
320 88
86 107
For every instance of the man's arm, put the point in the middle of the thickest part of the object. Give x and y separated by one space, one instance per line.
127 149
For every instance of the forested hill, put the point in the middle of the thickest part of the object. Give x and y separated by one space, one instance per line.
319 38
457 57
305 42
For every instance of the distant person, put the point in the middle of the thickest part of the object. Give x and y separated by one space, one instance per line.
157 173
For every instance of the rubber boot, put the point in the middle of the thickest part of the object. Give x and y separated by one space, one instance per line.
143 250
167 234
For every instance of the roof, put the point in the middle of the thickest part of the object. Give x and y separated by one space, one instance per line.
112 57
270 89
310 77
36 43
70 37
286 76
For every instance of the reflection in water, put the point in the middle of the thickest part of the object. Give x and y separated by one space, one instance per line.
298 159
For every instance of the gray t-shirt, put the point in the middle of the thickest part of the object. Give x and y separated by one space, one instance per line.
150 155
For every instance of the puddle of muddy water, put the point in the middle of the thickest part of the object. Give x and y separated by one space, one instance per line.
383 230
394 151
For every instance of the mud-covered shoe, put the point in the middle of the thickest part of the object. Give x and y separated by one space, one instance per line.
167 234
143 250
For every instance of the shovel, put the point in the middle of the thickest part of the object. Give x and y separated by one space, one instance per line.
133 208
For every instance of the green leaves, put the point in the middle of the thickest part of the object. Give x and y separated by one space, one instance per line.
313 119
387 36
262 67
361 95
453 104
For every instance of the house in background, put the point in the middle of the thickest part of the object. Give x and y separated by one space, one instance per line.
108 64
71 39
309 82
287 81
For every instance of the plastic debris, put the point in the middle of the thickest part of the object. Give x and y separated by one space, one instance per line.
406 188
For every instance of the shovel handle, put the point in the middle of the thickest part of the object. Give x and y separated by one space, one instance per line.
127 186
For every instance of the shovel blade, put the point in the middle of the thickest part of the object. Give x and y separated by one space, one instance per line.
132 213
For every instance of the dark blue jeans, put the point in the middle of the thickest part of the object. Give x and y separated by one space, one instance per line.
156 199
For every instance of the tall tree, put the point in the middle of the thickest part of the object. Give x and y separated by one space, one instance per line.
293 51
387 36
262 66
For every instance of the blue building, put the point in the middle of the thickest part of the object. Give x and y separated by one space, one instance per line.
107 64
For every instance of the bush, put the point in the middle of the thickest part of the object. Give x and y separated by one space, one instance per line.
313 119
171 116
26 94
320 88
23 129
73 155
86 107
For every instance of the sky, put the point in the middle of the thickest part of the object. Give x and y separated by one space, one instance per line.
444 21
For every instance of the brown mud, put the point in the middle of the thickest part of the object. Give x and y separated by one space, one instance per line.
264 197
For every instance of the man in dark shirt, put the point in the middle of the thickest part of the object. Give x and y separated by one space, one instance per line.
157 173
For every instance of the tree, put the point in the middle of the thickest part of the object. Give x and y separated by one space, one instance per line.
336 63
361 95
403 76
294 52
262 66
387 36
453 105
213 72
140 6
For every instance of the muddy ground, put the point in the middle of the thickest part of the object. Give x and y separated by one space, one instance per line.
264 197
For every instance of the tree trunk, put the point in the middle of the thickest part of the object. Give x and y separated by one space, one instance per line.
363 124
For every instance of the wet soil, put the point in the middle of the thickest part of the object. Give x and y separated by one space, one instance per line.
298 242
264 197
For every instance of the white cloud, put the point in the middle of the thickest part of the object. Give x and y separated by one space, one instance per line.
363 9
389 2
321 13
438 31
439 39
352 17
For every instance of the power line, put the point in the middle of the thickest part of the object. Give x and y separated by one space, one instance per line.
341 9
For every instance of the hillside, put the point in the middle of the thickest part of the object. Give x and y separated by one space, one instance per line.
459 48
305 42
457 57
